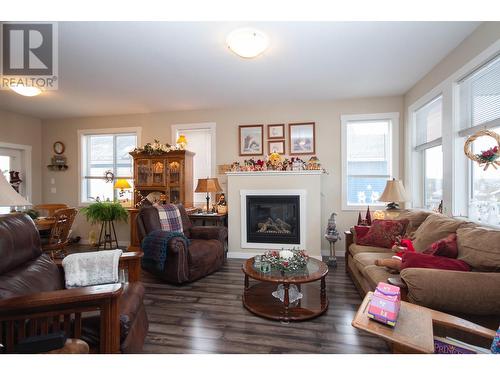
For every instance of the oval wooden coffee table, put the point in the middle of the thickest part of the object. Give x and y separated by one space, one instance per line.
259 300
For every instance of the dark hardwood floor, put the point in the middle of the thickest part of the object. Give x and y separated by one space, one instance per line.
207 316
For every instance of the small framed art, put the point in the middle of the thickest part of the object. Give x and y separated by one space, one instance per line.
302 140
275 131
251 140
276 146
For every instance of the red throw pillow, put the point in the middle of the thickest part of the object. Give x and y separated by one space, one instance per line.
446 247
361 231
419 260
383 233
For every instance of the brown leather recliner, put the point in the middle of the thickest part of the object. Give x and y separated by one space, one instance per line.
33 300
204 255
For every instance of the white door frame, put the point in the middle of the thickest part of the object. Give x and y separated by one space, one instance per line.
26 163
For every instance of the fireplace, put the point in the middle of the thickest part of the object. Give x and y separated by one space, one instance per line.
273 219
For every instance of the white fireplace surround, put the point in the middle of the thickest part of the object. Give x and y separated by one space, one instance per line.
267 192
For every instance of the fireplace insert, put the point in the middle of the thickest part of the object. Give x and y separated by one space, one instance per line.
273 219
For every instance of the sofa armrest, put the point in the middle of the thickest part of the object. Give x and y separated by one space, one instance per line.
459 292
47 300
209 233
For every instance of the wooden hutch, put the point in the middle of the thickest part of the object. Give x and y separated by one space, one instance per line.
169 174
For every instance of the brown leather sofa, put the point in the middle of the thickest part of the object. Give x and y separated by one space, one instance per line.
204 255
33 301
472 295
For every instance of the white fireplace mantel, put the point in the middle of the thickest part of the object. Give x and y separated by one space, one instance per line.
275 173
305 183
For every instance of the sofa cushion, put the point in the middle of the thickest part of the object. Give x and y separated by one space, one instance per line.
480 248
375 274
356 249
383 233
415 219
368 259
434 228
19 241
446 247
37 275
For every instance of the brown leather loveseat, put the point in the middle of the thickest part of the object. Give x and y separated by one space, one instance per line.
33 301
203 256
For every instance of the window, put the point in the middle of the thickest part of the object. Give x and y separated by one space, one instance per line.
428 121
200 140
369 157
103 151
479 98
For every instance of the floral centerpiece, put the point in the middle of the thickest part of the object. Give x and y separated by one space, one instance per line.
286 260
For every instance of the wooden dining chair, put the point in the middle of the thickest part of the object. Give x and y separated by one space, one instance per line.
49 209
59 233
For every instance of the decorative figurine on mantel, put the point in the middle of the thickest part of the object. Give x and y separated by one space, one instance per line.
332 235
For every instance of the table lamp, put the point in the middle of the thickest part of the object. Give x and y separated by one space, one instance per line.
9 197
182 141
122 184
208 185
394 193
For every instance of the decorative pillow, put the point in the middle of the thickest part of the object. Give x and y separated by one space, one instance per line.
447 247
434 228
480 248
419 260
383 233
360 231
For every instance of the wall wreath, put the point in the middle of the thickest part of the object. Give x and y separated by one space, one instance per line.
109 176
486 157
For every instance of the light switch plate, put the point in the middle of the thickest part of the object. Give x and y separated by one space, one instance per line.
53 190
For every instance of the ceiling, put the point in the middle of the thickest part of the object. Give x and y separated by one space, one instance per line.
108 68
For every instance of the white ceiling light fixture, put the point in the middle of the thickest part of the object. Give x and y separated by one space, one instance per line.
247 42
26 90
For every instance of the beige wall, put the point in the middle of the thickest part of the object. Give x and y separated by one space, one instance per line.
25 130
485 35
157 125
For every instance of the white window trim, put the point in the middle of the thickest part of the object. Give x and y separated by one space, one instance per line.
394 159
414 183
201 125
26 154
456 169
84 132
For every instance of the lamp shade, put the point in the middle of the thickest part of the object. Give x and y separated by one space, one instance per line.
8 196
121 183
208 185
394 192
182 139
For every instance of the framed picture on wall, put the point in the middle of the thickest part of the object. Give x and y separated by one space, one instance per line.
275 131
251 138
302 140
276 146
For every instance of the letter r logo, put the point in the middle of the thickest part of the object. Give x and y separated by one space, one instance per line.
27 49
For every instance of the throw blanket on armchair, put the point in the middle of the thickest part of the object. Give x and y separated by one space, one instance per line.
155 247
92 268
170 217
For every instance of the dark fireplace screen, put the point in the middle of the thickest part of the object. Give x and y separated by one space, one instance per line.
273 219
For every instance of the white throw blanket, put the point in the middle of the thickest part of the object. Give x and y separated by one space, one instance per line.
93 268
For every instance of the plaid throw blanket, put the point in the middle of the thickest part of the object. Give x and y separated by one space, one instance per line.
170 217
155 247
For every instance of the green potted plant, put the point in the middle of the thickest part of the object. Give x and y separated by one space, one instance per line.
106 213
